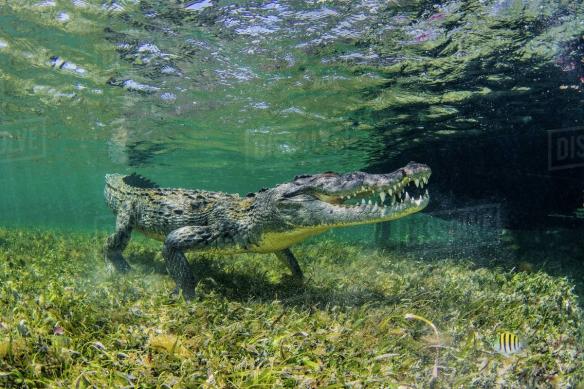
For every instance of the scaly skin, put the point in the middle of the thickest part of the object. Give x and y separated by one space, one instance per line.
268 221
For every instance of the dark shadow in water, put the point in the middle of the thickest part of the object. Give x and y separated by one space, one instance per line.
502 147
242 286
509 169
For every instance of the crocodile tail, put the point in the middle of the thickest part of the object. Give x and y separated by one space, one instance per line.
118 188
113 179
138 181
117 181
113 190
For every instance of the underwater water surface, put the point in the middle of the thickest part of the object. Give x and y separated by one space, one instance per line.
235 96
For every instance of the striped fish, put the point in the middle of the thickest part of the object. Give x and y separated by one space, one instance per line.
507 343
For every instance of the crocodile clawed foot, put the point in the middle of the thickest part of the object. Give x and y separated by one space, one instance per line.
112 269
187 293
119 263
123 268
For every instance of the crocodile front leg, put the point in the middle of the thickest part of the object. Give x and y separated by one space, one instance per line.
288 258
176 243
117 242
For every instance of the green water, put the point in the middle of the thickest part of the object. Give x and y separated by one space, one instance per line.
65 129
235 96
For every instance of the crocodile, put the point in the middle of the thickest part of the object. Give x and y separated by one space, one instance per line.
268 221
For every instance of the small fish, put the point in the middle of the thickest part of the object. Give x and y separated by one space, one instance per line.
507 343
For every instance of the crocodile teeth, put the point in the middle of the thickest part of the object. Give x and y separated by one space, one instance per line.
382 196
390 192
417 182
348 197
369 202
407 196
426 194
362 201
375 207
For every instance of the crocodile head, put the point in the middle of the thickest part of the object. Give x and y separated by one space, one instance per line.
328 200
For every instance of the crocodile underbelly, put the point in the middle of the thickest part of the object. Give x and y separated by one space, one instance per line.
276 241
268 243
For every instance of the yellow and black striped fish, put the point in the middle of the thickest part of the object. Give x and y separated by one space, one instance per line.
508 343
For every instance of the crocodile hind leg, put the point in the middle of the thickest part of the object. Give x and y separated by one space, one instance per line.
176 243
117 242
288 258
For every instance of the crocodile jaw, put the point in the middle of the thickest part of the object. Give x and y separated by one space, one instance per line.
330 200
